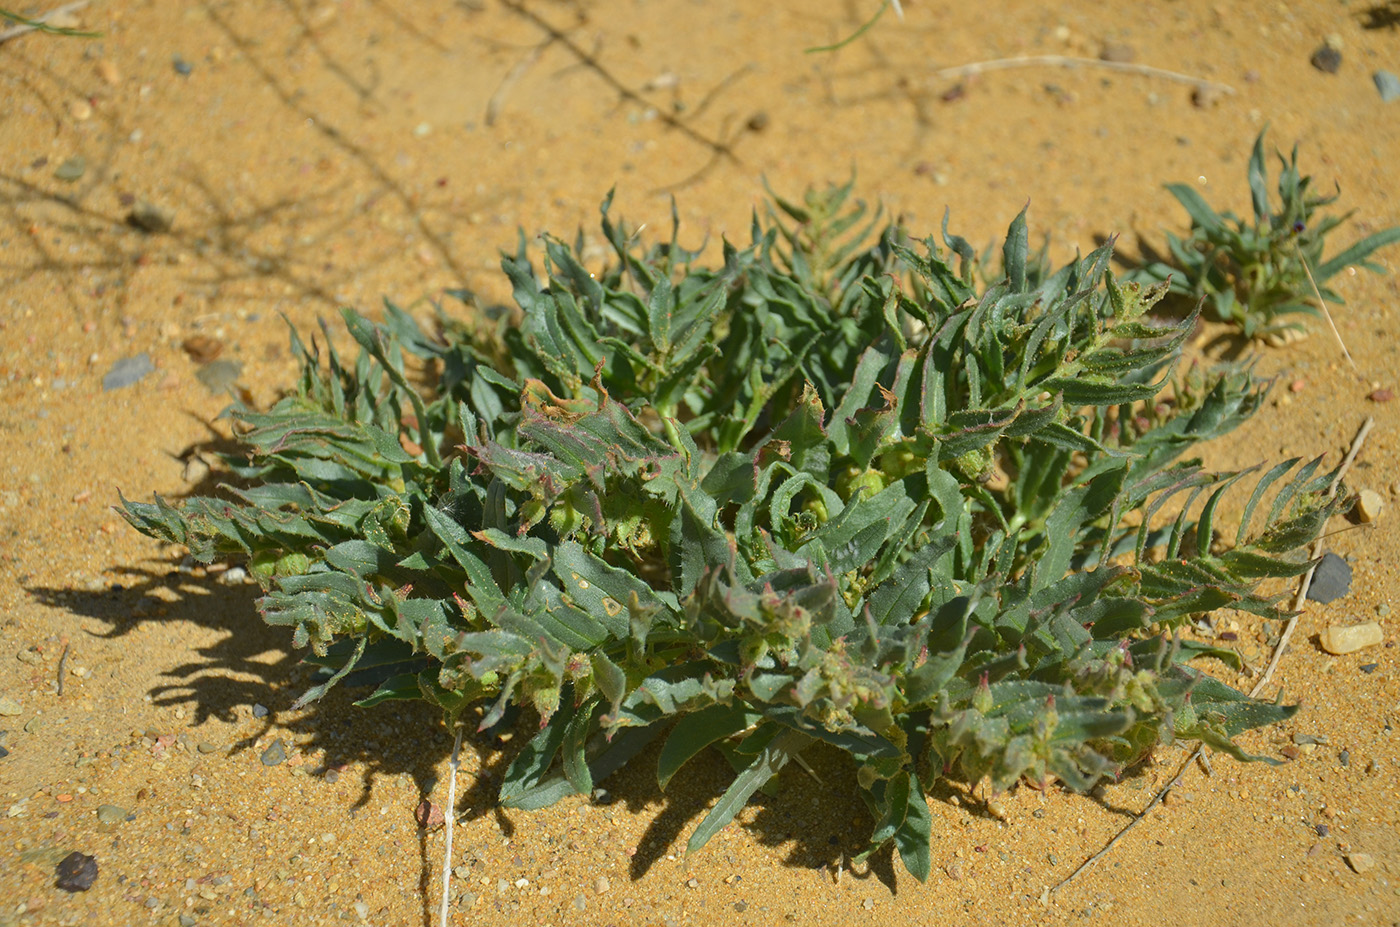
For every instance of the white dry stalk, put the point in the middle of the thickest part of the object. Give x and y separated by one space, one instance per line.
451 819
1068 61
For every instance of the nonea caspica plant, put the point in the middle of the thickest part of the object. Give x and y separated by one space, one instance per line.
826 490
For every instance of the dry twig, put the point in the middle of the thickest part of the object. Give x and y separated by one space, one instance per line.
1298 600
1066 61
1326 313
62 665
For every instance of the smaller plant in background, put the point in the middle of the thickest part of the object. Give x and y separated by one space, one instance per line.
1256 273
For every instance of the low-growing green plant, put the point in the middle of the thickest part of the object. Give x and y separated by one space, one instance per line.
1255 273
824 492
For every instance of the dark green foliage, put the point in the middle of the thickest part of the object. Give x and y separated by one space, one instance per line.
826 491
1252 273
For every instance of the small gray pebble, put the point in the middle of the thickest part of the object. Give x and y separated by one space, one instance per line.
275 754
187 920
111 814
1331 580
181 66
259 711
1388 85
127 371
72 169
1326 59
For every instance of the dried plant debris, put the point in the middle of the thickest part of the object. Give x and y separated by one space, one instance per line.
832 490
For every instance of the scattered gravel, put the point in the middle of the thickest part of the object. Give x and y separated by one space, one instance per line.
1326 59
111 814
233 576
1361 862
1388 85
1344 639
72 169
76 872
127 371
428 815
1331 580
276 754
1369 505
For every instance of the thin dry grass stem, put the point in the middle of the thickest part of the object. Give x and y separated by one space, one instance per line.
517 71
36 22
451 819
807 768
1298 599
1326 313
1067 61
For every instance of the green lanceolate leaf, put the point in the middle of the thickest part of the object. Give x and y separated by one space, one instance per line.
771 759
694 732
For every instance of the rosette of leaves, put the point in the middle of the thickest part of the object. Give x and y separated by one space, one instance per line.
1254 272
824 492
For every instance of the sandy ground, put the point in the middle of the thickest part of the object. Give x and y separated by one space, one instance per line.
314 154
